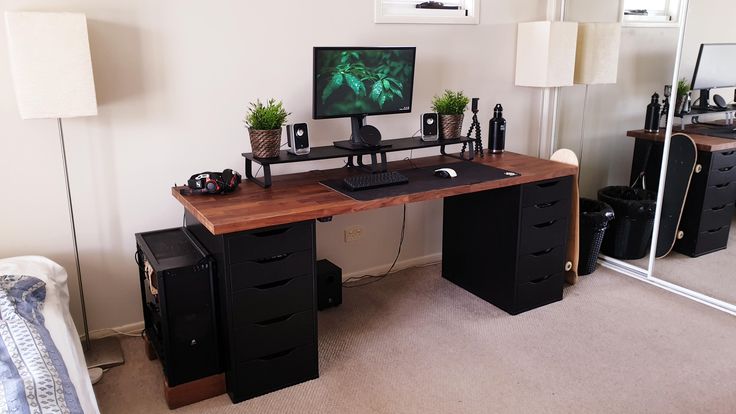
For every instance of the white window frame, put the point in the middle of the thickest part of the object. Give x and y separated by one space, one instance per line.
402 11
670 17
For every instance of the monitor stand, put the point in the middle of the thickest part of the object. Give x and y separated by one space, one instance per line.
703 100
354 143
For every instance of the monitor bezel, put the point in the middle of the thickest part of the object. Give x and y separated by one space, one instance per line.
315 49
697 67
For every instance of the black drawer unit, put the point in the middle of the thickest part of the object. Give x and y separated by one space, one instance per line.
522 270
709 208
267 305
179 304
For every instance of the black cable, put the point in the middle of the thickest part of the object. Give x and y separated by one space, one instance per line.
380 277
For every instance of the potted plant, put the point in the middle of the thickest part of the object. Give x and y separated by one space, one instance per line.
264 124
451 107
682 105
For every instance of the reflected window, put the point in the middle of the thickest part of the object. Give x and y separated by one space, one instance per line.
650 12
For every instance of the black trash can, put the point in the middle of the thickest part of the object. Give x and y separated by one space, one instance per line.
594 218
630 232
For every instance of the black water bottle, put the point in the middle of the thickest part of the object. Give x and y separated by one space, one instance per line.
497 131
651 124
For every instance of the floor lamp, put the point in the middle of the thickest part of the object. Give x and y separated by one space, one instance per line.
545 57
596 61
52 74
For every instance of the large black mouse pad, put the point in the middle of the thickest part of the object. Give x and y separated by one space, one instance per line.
423 179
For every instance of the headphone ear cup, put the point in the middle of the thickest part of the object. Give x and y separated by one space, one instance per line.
212 187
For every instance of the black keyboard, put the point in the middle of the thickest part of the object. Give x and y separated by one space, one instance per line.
368 181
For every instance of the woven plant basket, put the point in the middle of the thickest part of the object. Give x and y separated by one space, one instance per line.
266 143
451 126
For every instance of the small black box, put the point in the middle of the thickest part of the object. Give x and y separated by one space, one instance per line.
329 284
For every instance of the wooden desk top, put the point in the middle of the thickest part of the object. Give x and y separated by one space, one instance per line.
703 142
300 196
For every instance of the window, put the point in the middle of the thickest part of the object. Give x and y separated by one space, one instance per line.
406 11
650 13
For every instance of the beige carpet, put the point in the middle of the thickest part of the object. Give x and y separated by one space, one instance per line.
712 274
415 343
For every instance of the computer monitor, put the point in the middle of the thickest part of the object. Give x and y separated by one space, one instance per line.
715 68
356 82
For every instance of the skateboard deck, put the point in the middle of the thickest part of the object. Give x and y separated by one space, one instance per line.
573 244
682 159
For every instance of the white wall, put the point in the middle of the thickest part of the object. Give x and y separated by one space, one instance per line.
646 63
173 80
708 21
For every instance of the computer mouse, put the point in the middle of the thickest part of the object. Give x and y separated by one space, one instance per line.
445 173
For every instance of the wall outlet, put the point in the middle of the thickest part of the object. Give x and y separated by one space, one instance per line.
353 233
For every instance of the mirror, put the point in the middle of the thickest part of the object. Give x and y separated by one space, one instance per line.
704 256
603 123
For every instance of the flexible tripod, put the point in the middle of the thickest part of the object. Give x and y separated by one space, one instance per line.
478 140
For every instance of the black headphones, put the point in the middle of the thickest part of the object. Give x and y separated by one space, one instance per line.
212 183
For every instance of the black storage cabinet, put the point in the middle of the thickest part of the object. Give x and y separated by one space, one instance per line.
267 305
522 270
179 318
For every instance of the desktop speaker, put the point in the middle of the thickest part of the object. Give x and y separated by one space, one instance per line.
428 126
298 138
329 284
720 101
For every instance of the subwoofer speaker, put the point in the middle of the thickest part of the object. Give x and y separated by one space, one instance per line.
429 123
298 138
329 284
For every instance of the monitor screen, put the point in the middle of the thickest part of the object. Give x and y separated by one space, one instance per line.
716 66
351 81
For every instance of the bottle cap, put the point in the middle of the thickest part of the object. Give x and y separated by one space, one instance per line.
655 97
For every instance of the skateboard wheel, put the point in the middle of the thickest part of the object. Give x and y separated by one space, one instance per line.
698 169
680 235
568 266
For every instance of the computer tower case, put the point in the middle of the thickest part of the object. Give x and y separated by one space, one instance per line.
329 284
177 292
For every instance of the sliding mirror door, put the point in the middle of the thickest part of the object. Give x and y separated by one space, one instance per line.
704 258
602 119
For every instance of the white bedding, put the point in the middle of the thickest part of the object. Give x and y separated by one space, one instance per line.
58 320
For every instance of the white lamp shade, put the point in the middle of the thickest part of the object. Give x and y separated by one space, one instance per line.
545 54
51 65
597 55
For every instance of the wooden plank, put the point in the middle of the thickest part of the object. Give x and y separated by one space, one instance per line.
300 196
703 142
194 391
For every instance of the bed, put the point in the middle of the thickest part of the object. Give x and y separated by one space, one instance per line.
54 308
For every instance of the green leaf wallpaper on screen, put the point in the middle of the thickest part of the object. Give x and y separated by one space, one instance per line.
363 81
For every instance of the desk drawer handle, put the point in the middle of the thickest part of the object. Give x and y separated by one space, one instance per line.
272 259
722 185
545 224
273 284
546 205
269 233
276 320
725 169
716 230
276 355
727 153
543 252
550 184
541 279
719 208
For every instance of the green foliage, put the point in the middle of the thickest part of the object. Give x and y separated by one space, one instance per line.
364 81
272 115
450 103
683 87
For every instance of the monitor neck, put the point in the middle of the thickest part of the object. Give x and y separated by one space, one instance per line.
703 100
356 122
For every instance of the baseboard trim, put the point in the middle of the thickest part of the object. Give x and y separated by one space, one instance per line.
136 327
400 265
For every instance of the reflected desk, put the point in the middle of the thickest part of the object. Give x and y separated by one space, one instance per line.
709 207
503 240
